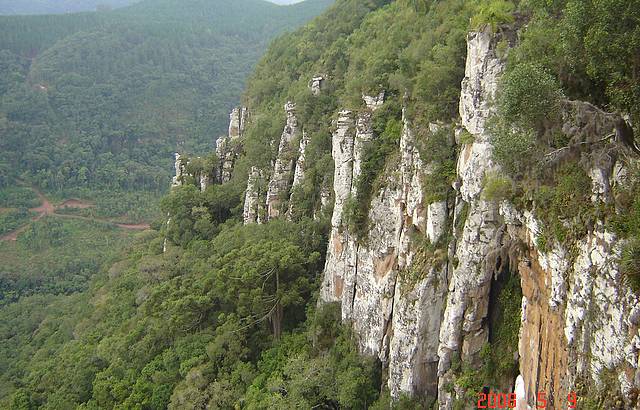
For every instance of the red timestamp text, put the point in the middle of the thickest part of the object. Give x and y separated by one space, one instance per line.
510 400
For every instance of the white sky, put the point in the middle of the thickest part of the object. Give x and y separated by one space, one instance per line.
285 1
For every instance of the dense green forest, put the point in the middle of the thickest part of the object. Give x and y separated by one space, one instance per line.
227 316
92 106
95 104
8 7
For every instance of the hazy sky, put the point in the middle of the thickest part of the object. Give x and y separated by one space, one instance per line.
285 1
69 6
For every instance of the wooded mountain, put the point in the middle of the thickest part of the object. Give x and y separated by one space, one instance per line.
417 201
9 7
100 101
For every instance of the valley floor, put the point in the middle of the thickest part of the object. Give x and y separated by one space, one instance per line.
48 208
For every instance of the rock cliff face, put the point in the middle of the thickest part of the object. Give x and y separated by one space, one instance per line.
579 319
464 329
226 151
286 176
420 288
316 84
280 183
226 146
299 173
177 179
420 312
387 291
253 204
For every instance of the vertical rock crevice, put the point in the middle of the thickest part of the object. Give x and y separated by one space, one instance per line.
253 211
298 174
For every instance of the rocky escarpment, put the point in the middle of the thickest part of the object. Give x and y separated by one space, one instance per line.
227 150
180 170
393 291
299 173
316 84
285 177
280 182
227 146
420 313
421 286
386 288
464 328
579 319
254 211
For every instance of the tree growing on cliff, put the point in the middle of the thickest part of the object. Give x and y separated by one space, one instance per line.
264 280
493 13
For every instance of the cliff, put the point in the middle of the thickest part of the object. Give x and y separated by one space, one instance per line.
435 282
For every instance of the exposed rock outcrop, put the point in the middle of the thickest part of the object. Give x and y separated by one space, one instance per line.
374 102
237 122
421 285
254 198
179 166
418 287
340 261
280 182
392 302
575 289
464 330
316 84
299 173
227 146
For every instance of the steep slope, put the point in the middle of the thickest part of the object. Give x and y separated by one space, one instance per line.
456 262
455 188
103 88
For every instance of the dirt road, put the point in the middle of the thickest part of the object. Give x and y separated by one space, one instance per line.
47 208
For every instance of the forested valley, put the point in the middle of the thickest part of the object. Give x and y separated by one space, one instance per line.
8 7
209 309
92 108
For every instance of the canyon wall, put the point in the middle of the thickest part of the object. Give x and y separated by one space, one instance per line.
419 312
420 286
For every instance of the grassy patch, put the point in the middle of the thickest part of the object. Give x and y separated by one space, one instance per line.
493 14
437 150
497 187
57 255
13 219
564 204
630 264
18 197
125 206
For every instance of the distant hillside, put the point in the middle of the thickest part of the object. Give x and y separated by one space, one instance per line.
9 7
31 7
95 103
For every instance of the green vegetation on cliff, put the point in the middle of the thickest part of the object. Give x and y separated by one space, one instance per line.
226 317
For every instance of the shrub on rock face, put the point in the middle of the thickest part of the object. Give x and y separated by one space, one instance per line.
528 104
493 14
497 187
513 149
630 265
529 97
